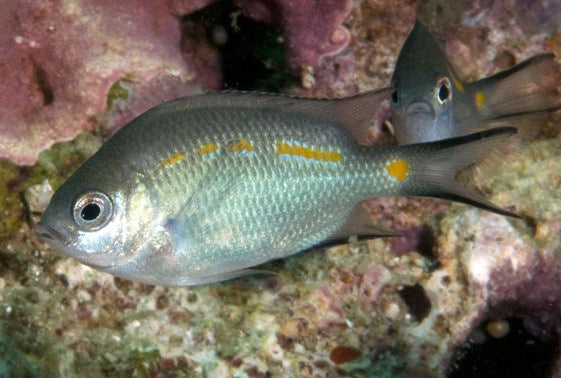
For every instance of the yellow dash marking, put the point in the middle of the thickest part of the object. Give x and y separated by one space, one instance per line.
284 148
172 160
398 169
455 79
208 148
243 145
479 99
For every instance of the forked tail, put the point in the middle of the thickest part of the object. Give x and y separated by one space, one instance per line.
527 89
434 174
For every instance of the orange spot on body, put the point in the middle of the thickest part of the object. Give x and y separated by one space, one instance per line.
479 99
172 160
243 145
284 148
398 169
342 354
208 148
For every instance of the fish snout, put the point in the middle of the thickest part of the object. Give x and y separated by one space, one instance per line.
420 121
419 107
47 233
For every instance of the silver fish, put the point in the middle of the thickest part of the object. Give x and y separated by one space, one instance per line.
199 189
430 102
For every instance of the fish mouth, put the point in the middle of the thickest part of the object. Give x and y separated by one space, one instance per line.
420 119
419 108
48 233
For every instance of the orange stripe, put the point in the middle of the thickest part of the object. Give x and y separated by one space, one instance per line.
284 148
243 145
172 160
208 148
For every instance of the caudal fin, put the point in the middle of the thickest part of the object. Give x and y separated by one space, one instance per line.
435 174
528 88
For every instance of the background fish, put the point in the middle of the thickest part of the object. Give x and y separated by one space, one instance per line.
430 101
198 189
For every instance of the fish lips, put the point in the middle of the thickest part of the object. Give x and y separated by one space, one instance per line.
50 235
419 108
420 119
63 243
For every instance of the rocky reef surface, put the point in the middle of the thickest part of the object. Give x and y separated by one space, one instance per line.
447 298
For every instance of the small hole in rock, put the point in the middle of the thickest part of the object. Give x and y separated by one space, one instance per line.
44 85
415 297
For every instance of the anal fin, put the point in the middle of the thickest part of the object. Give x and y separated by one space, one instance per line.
235 274
359 223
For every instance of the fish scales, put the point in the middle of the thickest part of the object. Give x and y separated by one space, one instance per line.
268 183
198 189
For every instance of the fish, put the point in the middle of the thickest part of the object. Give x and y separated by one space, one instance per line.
203 188
430 102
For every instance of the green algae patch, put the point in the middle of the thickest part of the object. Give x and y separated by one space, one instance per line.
11 204
14 363
62 159
30 351
143 360
54 165
117 92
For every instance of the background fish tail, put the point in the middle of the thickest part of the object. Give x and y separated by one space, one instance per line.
435 173
529 88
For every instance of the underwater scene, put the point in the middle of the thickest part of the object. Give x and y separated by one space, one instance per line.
280 188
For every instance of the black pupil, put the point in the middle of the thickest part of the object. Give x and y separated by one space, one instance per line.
394 97
443 92
90 212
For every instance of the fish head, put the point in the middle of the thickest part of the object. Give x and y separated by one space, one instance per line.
95 219
424 86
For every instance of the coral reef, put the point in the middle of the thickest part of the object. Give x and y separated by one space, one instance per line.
61 58
457 282
311 29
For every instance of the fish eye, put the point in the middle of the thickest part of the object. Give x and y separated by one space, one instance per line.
395 98
442 91
92 210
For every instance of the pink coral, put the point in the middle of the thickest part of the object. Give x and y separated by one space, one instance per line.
311 29
513 278
330 306
183 7
373 281
59 60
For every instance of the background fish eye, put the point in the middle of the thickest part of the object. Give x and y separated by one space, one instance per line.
443 91
92 210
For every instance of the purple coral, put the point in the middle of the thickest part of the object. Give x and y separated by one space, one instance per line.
59 61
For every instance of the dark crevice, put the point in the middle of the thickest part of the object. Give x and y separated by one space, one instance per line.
44 86
517 354
252 52
427 242
418 304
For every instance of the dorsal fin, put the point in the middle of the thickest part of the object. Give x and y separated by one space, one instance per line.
355 113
